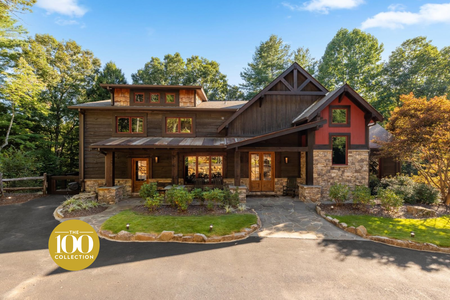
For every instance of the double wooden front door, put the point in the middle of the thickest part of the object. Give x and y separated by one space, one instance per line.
140 173
262 171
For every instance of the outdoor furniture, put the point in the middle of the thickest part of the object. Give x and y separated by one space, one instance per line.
291 187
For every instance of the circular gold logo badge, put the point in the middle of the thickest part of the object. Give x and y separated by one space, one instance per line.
73 245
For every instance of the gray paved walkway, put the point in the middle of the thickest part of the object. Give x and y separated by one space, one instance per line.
286 217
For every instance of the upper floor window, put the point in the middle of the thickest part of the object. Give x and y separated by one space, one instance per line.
340 116
339 146
170 98
154 98
139 98
179 125
130 125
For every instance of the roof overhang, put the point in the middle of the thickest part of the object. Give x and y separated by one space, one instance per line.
198 88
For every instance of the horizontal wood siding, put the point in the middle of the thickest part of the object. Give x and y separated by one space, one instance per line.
276 112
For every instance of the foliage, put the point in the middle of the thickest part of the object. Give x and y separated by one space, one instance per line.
215 195
434 230
339 192
389 200
352 57
361 194
402 185
174 70
16 163
153 203
303 57
422 137
210 205
229 198
417 67
148 190
179 197
198 194
228 209
374 183
426 194
109 74
72 204
241 207
223 224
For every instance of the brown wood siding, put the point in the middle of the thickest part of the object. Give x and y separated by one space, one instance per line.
276 112
187 98
121 97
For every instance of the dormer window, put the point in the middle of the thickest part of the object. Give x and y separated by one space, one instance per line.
339 116
154 98
170 98
179 125
139 97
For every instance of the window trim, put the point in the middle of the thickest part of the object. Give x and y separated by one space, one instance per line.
115 124
346 107
196 164
347 145
139 93
150 98
179 117
147 100
174 98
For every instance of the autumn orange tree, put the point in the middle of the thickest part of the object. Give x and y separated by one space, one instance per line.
421 131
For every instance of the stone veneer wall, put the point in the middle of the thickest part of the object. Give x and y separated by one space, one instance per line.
355 173
110 195
187 98
309 193
121 97
302 179
92 185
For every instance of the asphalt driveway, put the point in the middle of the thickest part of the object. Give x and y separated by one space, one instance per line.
258 267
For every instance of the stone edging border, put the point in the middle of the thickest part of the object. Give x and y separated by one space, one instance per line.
362 232
58 214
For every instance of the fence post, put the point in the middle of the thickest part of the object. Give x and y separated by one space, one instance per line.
1 184
44 189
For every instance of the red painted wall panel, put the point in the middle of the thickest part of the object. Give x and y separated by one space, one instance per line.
357 122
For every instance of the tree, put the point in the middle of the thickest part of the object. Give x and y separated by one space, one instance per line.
174 70
421 131
271 58
110 74
415 67
67 72
303 57
352 57
234 93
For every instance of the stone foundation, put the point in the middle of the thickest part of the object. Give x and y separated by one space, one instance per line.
355 173
310 193
242 190
110 195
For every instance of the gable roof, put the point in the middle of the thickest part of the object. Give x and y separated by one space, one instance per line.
314 109
280 79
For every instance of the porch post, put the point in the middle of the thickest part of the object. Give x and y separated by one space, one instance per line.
174 167
237 168
310 157
109 169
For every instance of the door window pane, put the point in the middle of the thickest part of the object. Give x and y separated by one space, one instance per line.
190 165
186 125
154 98
339 149
137 125
170 98
141 170
216 166
172 125
267 159
254 166
203 168
123 124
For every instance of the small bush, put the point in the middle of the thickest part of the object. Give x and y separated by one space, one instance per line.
228 209
179 198
210 205
198 194
241 207
339 193
215 195
361 194
71 205
154 203
148 190
230 198
389 200
402 185
374 183
426 194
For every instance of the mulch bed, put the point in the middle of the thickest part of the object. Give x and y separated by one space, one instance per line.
84 212
193 210
377 211
16 198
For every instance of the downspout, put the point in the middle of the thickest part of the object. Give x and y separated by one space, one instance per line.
81 117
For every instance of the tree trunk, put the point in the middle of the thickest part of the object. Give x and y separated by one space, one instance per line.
9 130
447 200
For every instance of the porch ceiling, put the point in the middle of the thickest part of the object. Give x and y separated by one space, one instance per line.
166 142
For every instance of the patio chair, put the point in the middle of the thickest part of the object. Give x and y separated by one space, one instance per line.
291 187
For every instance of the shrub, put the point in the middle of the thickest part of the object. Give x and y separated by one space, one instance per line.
154 203
215 195
230 198
198 194
389 199
241 207
228 209
210 205
339 192
374 183
71 205
402 185
148 190
179 197
426 194
361 194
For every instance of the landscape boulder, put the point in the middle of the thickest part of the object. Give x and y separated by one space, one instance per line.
166 236
419 211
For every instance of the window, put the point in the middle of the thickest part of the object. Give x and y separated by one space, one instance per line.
205 167
154 98
130 125
170 98
339 116
139 97
339 150
179 125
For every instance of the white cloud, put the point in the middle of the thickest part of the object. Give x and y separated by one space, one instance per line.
324 6
397 6
65 22
63 7
428 14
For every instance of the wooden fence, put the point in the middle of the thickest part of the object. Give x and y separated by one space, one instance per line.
59 185
5 189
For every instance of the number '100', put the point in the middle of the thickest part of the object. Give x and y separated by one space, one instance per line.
76 245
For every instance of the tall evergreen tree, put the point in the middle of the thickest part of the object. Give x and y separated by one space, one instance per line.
109 74
303 57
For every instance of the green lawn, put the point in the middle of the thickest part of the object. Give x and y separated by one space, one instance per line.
435 231
223 225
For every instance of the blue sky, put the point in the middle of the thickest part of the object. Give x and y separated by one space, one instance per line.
131 32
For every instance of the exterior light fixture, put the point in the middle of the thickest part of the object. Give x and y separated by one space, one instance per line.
128 226
211 227
413 234
286 159
156 159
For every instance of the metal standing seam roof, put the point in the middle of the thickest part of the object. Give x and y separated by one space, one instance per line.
306 113
167 142
207 105
378 133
